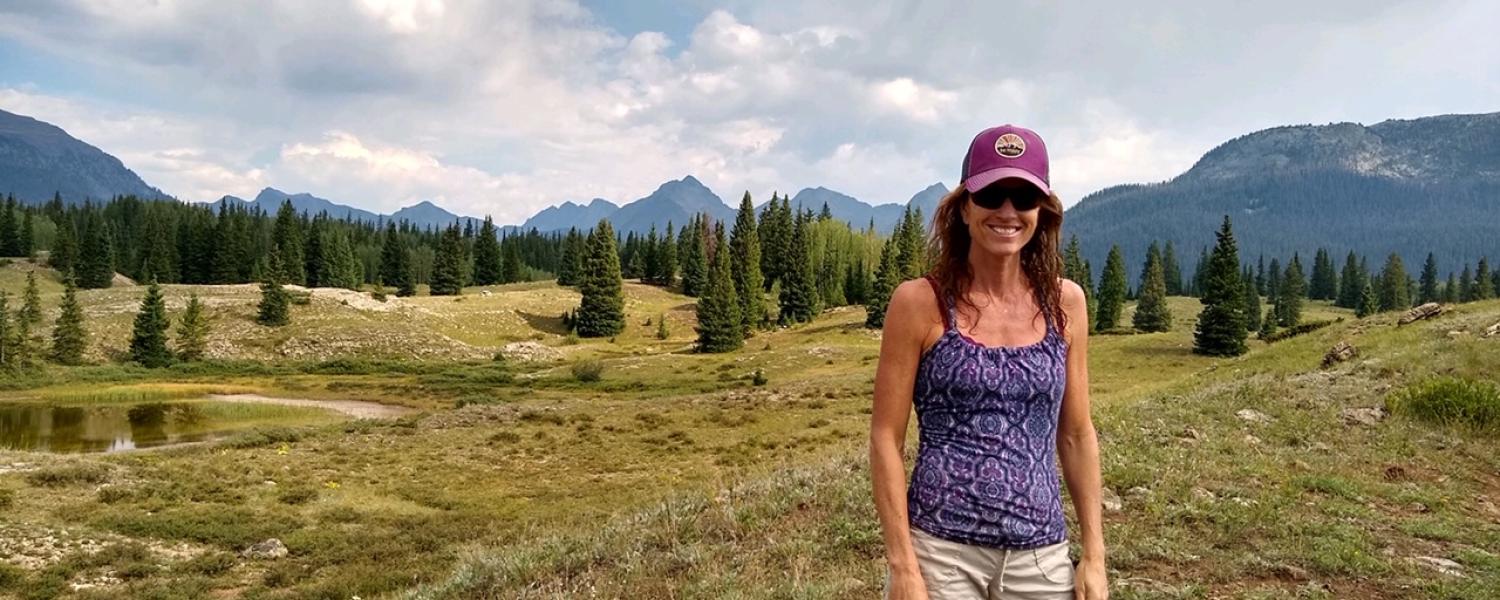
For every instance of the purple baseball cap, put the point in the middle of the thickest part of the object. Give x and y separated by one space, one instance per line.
1004 152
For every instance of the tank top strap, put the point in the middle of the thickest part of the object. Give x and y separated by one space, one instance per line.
945 305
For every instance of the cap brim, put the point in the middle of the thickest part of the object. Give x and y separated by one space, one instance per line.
979 181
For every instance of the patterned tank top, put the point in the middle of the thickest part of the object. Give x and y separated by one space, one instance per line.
986 471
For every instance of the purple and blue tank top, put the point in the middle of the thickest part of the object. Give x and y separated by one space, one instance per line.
986 471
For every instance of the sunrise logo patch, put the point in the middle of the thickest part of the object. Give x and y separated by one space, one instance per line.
1010 145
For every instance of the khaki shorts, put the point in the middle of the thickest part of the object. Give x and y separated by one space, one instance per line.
955 571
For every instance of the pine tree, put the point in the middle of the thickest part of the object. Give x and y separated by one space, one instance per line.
1221 325
343 269
1450 289
1260 275
96 252
1170 269
1368 304
1393 293
694 253
775 236
286 238
1289 295
192 331
1112 290
512 270
1324 284
799 291
1077 269
602 310
274 310
887 277
395 263
7 337
651 269
720 326
487 267
1483 286
31 307
1351 283
148 339
913 247
1199 273
447 266
749 287
1252 302
10 236
1466 285
68 335
1267 324
28 236
1151 312
64 254
1429 290
1274 279
667 254
570 267
857 281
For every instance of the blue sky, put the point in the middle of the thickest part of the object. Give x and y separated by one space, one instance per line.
505 107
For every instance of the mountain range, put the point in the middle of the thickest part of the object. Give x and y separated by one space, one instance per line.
1413 186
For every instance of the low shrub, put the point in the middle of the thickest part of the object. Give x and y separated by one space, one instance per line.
64 475
588 370
1450 401
297 494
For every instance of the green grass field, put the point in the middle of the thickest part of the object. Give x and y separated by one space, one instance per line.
675 477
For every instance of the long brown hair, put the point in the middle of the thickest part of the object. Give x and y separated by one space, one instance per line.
1040 261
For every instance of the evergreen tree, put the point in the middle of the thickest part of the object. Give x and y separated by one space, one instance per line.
1112 290
31 307
887 277
342 268
1289 295
96 252
487 267
1483 286
1368 304
799 291
913 246
1199 273
694 253
395 263
602 310
512 270
27 235
1274 279
1450 289
1151 312
1252 302
570 268
286 238
720 327
1267 324
1393 292
775 235
68 335
1221 325
64 254
1260 275
1076 269
10 235
7 337
1429 290
148 339
1171 270
1324 284
1351 283
447 266
315 259
1466 285
274 309
857 281
192 331
667 254
745 268
651 271
1495 282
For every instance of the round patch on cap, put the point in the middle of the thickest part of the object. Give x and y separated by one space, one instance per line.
1010 145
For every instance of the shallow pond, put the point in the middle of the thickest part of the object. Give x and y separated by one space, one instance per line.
118 427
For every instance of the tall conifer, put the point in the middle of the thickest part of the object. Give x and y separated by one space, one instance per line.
148 338
720 327
601 312
1111 290
69 337
749 287
1151 311
1221 325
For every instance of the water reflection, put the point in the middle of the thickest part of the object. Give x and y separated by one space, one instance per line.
77 429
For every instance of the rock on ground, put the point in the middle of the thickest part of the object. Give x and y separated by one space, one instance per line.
1340 352
1253 416
266 550
1425 311
1365 415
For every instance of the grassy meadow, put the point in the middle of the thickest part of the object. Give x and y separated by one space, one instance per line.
676 476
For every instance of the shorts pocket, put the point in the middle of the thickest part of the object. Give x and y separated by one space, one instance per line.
1053 563
936 558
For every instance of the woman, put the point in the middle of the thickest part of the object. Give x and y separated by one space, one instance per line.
992 350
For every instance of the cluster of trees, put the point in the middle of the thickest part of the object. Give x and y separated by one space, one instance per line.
175 242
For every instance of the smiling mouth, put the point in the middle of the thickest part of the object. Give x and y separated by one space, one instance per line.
1005 230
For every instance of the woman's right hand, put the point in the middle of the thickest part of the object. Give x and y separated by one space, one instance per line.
907 586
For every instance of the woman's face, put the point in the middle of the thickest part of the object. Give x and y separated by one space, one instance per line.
1003 229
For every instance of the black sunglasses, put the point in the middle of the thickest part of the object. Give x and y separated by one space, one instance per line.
1023 197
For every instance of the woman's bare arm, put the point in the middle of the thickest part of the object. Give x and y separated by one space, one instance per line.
1077 442
909 323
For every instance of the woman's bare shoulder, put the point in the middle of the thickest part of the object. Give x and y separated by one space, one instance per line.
914 301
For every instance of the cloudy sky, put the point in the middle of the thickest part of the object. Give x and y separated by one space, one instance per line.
504 107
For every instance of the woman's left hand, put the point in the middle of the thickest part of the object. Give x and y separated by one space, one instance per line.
1089 583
